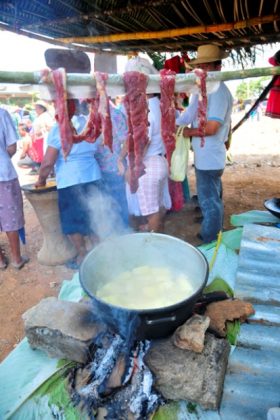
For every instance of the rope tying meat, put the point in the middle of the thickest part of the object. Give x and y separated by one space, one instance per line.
202 104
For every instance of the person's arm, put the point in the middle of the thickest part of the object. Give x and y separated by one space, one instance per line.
46 167
189 115
211 129
26 145
12 149
121 159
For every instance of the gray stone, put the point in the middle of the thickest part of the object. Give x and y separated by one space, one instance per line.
190 335
60 328
186 375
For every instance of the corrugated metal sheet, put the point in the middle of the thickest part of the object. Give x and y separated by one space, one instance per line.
252 383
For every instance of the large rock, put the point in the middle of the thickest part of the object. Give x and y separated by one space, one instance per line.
186 375
62 329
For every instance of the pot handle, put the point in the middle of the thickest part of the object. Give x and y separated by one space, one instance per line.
171 318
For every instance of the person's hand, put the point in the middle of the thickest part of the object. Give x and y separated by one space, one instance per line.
121 167
40 183
186 132
127 175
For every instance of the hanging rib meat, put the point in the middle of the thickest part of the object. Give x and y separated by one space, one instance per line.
65 127
92 129
104 109
202 104
137 112
168 111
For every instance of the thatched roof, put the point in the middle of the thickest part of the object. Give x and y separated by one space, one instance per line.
144 25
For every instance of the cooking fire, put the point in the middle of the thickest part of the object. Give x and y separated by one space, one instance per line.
134 357
116 383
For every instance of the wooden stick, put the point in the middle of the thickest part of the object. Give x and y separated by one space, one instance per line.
170 33
76 79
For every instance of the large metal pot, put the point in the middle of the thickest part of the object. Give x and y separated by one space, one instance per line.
126 252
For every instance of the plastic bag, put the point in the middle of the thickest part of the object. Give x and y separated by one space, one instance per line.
180 157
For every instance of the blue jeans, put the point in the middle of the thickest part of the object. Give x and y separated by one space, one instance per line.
209 191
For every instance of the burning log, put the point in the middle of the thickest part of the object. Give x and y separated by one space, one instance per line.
117 383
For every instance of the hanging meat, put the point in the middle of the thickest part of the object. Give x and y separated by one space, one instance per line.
137 114
68 134
202 104
104 109
168 111
65 127
92 129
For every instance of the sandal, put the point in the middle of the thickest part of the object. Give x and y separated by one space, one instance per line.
18 266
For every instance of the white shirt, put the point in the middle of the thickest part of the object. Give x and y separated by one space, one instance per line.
212 156
156 145
8 136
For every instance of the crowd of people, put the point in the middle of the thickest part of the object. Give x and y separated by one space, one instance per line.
92 171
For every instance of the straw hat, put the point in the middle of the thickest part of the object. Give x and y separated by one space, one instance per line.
43 104
140 64
208 54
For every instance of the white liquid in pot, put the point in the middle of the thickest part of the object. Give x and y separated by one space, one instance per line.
146 287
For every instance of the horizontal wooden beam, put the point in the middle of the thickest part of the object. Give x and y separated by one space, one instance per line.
76 79
171 33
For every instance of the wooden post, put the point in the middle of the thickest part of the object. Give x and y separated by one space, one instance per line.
115 86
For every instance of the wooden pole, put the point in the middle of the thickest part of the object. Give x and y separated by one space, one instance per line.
76 79
171 33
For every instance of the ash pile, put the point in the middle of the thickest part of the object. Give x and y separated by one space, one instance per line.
116 384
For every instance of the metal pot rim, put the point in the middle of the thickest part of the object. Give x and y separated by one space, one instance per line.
152 310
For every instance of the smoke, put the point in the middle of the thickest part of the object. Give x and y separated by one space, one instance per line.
105 215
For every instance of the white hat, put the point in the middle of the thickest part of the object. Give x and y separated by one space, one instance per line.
208 54
43 104
140 64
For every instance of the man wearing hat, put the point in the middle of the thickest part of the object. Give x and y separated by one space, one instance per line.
210 159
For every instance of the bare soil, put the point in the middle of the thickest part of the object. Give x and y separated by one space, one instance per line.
248 181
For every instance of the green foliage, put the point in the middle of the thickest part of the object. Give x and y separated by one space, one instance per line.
251 88
191 407
218 285
158 59
233 329
167 412
56 390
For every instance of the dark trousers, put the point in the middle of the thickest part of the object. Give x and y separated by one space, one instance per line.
209 191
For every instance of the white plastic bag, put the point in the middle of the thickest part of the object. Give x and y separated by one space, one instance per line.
180 157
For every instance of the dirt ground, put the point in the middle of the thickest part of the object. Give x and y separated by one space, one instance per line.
252 177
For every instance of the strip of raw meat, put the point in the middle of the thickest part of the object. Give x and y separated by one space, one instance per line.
92 129
137 111
65 127
168 111
133 181
202 104
104 109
